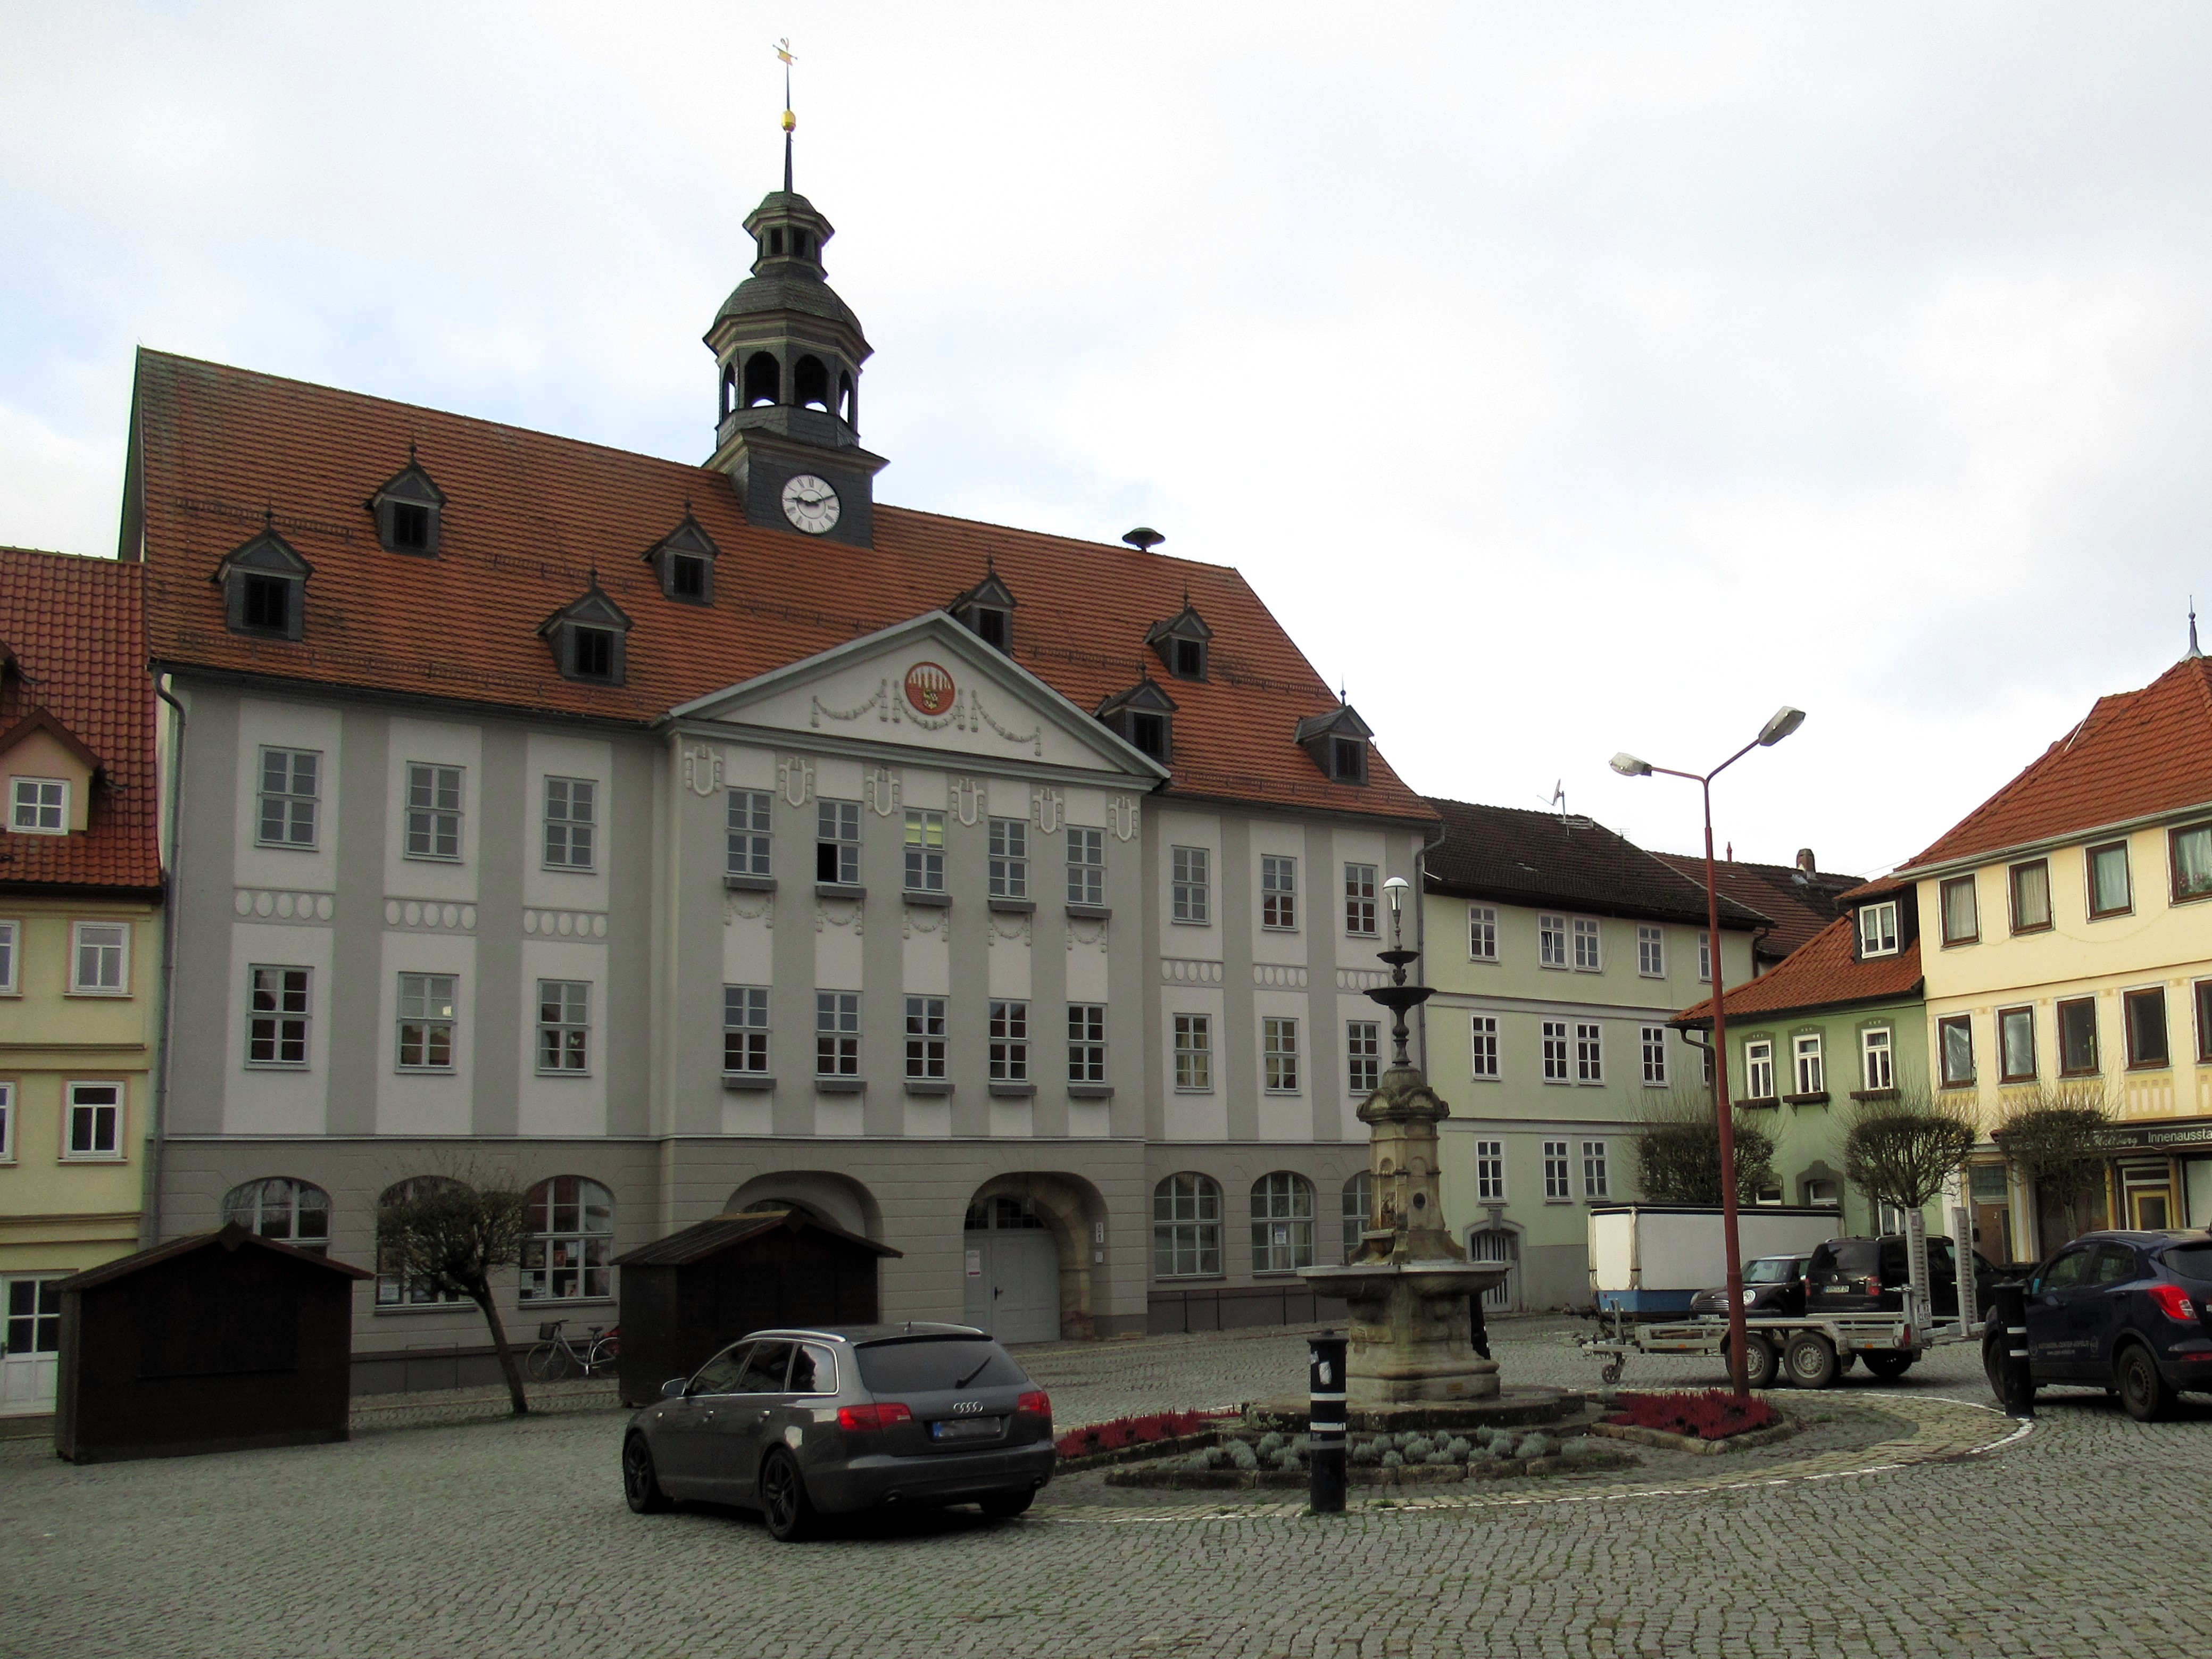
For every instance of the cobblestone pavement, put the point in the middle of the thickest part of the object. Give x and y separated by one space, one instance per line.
510 1538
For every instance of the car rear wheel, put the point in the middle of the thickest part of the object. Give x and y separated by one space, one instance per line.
1808 1359
2143 1393
641 1480
784 1504
1888 1367
1005 1505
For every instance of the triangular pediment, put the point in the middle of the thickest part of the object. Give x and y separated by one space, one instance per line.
989 591
1341 722
1146 695
268 553
1185 624
931 685
687 538
409 483
593 610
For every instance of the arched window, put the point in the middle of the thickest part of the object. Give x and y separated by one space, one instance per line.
729 386
297 1212
1282 1222
572 1227
809 385
1186 1227
391 1292
845 398
764 375
1359 1205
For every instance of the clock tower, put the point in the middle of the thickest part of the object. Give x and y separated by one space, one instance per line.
787 356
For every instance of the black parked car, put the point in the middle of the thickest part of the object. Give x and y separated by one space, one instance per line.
1868 1275
2124 1311
802 1424
1771 1284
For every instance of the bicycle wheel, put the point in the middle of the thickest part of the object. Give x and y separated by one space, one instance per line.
548 1363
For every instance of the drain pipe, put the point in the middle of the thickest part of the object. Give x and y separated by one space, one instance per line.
150 1225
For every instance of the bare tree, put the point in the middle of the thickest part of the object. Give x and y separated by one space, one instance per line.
1901 1151
452 1232
2057 1136
1678 1152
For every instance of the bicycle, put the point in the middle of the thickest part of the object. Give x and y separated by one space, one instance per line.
557 1355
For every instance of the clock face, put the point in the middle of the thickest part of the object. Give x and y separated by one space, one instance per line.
809 503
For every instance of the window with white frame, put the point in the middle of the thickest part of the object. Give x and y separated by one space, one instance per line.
1704 958
100 964
1877 1065
291 792
1481 933
1651 952
1278 892
427 1006
1194 1054
276 1015
1282 1222
924 852
1557 1068
1558 1180
1186 1227
1362 1055
747 833
433 812
837 842
7 1123
41 807
564 1027
1482 1044
1589 1052
1595 1184
836 1034
1490 1171
1087 865
95 1121
1009 1054
1551 941
1758 1070
1357 1203
1812 1074
569 1255
1278 1052
1010 859
925 1037
1586 946
1086 1042
1654 1056
11 952
745 1029
1359 899
1878 929
572 807
1191 897
294 1212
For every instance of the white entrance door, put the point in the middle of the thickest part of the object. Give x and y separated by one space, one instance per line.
31 1333
1012 1282
1489 1247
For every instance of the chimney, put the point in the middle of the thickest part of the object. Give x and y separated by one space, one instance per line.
1805 860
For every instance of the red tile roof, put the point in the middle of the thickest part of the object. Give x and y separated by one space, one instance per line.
75 630
1822 973
2136 754
1801 903
530 519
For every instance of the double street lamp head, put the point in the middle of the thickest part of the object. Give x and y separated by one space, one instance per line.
1784 720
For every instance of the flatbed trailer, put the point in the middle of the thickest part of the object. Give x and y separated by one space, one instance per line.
1809 1351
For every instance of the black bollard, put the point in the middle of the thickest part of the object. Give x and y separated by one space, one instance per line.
2010 1319
1325 1420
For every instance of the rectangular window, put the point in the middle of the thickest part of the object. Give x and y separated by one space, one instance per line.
96 1121
2110 892
1278 892
1087 866
1558 1181
1589 1052
2145 1011
276 1016
1481 934
1010 858
1010 1043
433 812
426 1022
925 1037
1962 922
41 807
564 1027
925 853
1278 1047
1359 899
2031 896
1878 929
1482 1042
1654 1056
2189 852
2077 1037
2016 1045
1586 940
1490 1171
1651 952
1086 1042
1595 1183
1876 1057
747 833
1194 1054
1704 958
2202 997
11 953
1955 1039
1362 1055
1812 1072
1551 941
7 1123
100 965
1758 1070
291 785
571 808
1555 1051
836 1034
1192 899
837 842
745 1029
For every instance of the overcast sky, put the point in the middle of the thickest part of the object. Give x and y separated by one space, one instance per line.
1568 378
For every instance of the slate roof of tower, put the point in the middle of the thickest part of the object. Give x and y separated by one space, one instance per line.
77 630
530 519
1822 973
1801 904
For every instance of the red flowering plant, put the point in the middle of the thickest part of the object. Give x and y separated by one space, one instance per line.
1714 1414
1132 1431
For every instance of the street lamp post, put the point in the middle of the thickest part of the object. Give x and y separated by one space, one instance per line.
1786 720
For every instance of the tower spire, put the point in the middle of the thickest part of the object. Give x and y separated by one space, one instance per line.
790 121
2193 651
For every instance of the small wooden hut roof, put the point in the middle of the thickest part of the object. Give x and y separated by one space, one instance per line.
230 1236
705 1239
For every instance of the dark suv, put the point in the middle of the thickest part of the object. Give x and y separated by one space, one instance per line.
2124 1311
1868 1275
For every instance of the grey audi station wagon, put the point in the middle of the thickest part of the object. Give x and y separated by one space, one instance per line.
804 1423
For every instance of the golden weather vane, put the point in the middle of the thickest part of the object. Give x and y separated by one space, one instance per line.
783 51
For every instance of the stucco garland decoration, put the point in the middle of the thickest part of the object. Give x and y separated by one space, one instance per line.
703 771
1122 816
938 921
955 717
968 801
1021 929
733 909
880 700
857 920
1076 935
795 778
1034 739
1048 809
883 787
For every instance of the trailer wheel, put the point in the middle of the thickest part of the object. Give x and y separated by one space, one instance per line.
1759 1362
1888 1367
1611 1374
1810 1360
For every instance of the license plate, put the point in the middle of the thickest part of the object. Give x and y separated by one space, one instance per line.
967 1428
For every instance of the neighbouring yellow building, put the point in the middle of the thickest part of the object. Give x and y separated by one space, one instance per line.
81 957
2067 948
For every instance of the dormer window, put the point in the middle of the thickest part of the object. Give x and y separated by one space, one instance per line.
986 610
264 587
1348 760
1144 717
1148 734
591 654
589 639
1188 662
409 509
46 776
411 527
687 576
684 559
267 602
1878 929
1338 742
1183 641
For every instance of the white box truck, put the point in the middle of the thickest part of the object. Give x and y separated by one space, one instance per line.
1649 1259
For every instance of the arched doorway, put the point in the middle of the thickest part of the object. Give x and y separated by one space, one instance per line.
1492 1246
1026 1257
826 1196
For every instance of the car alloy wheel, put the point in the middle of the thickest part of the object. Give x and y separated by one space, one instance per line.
784 1505
641 1480
2143 1393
